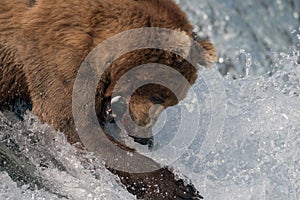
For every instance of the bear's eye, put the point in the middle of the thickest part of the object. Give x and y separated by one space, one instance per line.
157 100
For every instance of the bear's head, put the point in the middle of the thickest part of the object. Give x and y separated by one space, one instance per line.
136 98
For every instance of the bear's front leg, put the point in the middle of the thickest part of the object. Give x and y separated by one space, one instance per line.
160 184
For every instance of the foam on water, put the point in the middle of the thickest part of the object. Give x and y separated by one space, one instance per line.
38 157
257 156
262 28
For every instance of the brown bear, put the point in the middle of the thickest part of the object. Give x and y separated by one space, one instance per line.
42 46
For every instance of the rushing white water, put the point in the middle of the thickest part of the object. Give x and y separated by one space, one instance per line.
248 136
263 28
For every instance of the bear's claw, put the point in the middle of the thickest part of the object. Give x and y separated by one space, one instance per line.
187 192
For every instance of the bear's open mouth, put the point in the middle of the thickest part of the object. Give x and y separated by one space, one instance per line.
108 121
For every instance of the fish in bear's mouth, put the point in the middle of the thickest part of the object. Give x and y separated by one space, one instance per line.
114 117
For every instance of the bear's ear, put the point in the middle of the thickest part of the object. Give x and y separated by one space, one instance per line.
210 50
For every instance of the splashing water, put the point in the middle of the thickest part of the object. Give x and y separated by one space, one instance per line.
258 154
255 153
42 158
263 28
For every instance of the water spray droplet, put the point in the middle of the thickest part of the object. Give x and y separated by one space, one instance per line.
248 61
